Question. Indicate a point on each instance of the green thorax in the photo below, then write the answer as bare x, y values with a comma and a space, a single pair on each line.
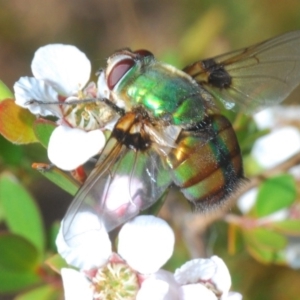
164, 91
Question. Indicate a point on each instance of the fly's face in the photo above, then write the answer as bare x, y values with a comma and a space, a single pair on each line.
121, 66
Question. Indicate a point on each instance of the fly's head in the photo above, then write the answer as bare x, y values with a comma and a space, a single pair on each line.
122, 67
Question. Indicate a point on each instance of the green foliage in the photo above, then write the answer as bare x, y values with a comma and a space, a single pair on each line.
5, 91
16, 123
266, 236
58, 177
45, 292
274, 194
17, 253
14, 281
11, 154
56, 262
43, 129
20, 211
287, 227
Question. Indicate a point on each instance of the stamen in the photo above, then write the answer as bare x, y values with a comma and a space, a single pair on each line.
115, 281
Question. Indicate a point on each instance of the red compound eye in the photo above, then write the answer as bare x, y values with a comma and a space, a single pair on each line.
143, 52
118, 71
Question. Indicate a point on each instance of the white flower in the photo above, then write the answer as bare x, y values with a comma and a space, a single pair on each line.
273, 117
144, 245
276, 147
207, 278
292, 253
71, 147
281, 143
61, 73
81, 286
160, 286
189, 291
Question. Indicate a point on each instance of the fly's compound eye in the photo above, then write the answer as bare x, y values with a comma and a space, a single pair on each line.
143, 52
118, 71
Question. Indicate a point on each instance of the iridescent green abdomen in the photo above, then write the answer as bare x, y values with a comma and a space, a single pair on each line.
207, 163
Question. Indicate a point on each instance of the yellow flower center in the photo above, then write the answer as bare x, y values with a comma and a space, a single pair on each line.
115, 281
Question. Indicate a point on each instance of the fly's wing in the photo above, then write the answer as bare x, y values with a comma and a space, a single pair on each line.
252, 78
123, 183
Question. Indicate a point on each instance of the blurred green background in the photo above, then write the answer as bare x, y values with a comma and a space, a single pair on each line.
178, 32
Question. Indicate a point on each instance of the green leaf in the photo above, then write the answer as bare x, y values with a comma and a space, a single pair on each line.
17, 253
58, 177
5, 91
265, 239
43, 130
22, 215
288, 227
265, 245
274, 194
45, 292
16, 123
266, 255
10, 153
56, 263
53, 232
12, 281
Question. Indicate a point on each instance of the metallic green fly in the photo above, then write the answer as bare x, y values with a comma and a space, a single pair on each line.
169, 130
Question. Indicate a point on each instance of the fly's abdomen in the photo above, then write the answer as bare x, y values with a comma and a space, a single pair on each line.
207, 163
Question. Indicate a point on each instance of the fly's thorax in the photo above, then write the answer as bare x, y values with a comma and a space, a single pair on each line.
166, 92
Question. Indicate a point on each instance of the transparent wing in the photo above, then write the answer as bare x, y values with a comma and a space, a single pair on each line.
252, 78
123, 183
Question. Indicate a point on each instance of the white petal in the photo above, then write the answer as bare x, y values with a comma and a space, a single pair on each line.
292, 253
89, 247
233, 296
160, 285
29, 88
154, 289
212, 269
221, 278
295, 171
196, 292
276, 147
265, 119
64, 67
146, 243
76, 286
71, 147
276, 116
195, 270
247, 200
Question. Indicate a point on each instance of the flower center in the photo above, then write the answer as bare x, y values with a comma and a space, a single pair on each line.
88, 116
115, 281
